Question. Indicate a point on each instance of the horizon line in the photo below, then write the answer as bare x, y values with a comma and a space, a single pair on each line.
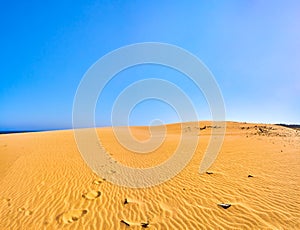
10, 131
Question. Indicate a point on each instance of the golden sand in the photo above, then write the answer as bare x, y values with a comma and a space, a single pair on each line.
45, 184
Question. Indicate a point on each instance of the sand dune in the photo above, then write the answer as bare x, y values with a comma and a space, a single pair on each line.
45, 184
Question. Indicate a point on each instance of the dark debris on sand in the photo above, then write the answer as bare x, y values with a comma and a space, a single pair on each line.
225, 206
124, 222
145, 225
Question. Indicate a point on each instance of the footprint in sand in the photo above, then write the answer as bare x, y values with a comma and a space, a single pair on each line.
71, 216
92, 195
98, 181
21, 209
7, 200
26, 212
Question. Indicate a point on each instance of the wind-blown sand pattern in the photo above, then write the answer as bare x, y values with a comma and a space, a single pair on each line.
45, 184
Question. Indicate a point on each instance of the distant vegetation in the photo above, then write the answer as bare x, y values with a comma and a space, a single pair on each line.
290, 126
20, 131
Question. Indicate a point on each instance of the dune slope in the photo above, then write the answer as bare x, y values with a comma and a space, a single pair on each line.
45, 183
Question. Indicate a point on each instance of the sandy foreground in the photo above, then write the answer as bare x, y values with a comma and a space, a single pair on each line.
45, 183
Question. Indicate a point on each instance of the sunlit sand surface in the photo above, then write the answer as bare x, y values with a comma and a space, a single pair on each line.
45, 184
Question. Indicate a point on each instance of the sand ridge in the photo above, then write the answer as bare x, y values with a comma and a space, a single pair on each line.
45, 184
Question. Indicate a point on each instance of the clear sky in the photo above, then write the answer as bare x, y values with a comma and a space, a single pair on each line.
251, 47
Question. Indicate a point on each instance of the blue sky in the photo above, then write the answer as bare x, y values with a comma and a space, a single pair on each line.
251, 47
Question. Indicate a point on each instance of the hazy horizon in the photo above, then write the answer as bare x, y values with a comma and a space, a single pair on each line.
8, 131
